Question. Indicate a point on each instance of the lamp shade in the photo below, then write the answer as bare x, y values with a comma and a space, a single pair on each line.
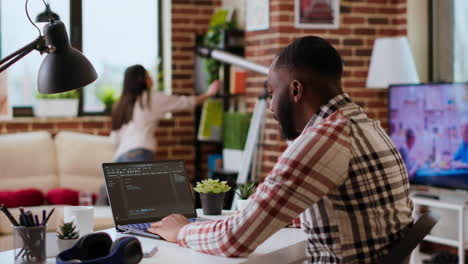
391, 63
65, 68
44, 16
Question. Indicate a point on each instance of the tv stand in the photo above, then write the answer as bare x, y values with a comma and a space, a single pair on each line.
460, 207
426, 195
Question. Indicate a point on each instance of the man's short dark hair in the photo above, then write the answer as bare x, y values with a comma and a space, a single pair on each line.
311, 53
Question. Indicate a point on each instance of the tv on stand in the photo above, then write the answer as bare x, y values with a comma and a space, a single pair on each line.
429, 126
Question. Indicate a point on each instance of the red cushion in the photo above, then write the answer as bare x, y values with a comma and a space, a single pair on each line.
20, 198
62, 196
65, 196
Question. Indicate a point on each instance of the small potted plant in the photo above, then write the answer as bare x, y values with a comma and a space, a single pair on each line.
244, 191
67, 235
57, 105
212, 195
108, 97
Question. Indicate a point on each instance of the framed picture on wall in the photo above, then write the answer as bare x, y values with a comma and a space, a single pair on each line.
257, 15
319, 14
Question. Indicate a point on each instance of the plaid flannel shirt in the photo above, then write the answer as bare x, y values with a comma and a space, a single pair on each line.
342, 175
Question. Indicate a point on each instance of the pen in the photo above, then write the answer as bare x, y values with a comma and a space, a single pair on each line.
43, 215
8, 215
30, 218
48, 216
37, 220
21, 219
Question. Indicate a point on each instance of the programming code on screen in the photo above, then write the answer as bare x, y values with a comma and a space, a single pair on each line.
140, 191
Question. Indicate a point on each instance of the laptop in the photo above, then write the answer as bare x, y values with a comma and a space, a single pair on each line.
141, 193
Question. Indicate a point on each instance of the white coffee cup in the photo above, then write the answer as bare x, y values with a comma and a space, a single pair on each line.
81, 216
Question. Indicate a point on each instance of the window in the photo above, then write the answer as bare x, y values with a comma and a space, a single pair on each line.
113, 34
461, 41
124, 35
449, 41
15, 32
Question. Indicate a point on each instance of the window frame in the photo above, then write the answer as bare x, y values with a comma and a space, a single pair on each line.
76, 39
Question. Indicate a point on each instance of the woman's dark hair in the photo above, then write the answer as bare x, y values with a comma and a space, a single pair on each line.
134, 85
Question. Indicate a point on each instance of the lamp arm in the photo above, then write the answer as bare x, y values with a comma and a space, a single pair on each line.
226, 57
37, 44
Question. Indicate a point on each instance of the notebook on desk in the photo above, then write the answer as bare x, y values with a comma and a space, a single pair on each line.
141, 193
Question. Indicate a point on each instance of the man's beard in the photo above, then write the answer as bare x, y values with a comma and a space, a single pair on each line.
284, 116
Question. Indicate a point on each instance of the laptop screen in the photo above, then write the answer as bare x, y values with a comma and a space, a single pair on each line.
148, 191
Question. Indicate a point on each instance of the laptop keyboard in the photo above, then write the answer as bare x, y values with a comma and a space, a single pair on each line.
145, 226
142, 226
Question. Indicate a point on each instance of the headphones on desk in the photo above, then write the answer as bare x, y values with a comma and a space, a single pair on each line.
97, 248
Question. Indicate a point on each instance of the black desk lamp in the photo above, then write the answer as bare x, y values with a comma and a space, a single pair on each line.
64, 68
46, 14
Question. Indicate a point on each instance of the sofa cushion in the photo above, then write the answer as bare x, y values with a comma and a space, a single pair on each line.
28, 160
65, 196
62, 196
21, 198
79, 159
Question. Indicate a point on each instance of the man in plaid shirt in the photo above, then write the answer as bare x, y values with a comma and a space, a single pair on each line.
342, 174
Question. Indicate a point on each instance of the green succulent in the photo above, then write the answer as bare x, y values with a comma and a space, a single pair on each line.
246, 190
67, 231
212, 186
73, 94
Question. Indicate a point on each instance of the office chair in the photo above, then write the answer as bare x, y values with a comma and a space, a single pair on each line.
401, 251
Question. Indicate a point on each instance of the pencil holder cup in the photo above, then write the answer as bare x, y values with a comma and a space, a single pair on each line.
29, 244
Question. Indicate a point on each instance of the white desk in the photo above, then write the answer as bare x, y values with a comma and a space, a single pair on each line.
286, 246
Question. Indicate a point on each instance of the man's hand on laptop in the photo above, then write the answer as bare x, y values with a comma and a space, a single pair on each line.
169, 227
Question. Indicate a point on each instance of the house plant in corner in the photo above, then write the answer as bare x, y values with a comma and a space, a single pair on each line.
212, 195
57, 105
67, 235
108, 96
244, 191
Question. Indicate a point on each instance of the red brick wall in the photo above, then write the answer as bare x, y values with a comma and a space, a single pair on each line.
91, 125
361, 22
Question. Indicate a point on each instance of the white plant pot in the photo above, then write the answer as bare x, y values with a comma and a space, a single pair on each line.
56, 107
64, 244
241, 204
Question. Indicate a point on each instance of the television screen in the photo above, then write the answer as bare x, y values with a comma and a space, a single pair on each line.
429, 125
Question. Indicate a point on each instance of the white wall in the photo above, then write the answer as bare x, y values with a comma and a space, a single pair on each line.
417, 18
239, 7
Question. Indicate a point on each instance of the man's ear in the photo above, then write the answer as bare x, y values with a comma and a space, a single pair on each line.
295, 91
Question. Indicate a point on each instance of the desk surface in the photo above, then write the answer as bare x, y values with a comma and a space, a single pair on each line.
286, 246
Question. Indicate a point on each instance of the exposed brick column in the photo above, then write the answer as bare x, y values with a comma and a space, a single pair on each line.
175, 137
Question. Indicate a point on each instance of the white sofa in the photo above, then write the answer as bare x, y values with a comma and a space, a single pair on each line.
69, 160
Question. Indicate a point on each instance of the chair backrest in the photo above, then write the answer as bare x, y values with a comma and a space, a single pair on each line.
401, 251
